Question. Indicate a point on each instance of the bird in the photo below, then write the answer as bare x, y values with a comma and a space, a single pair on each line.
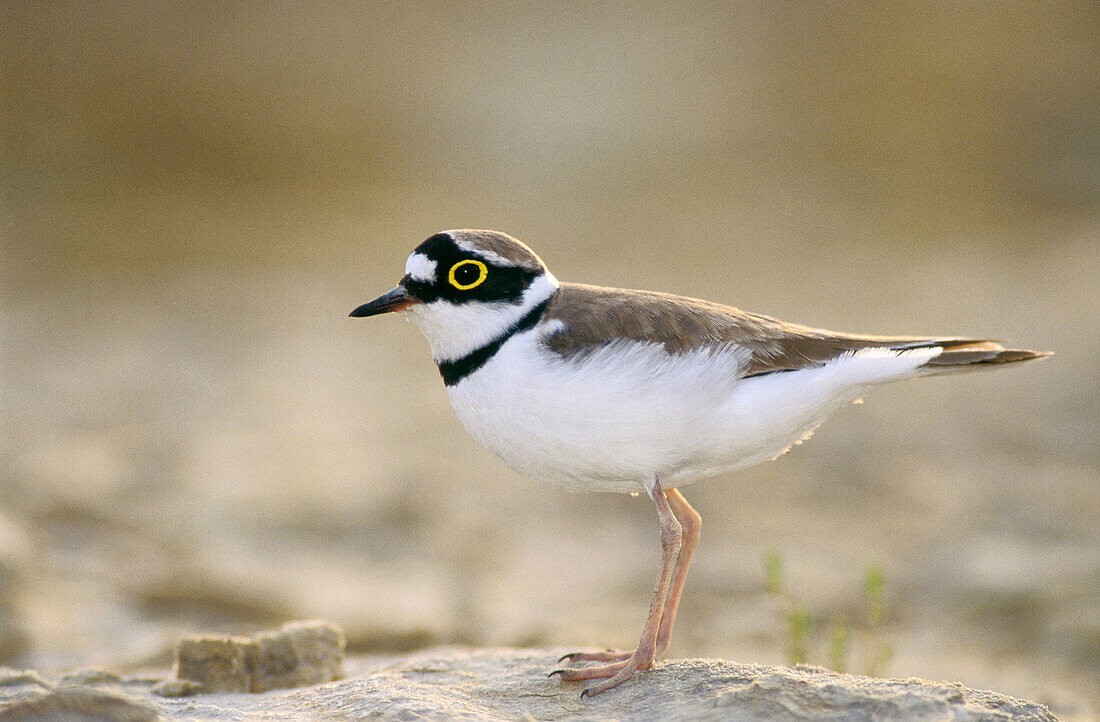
610, 390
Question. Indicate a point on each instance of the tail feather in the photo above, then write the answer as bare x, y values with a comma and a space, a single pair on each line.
962, 354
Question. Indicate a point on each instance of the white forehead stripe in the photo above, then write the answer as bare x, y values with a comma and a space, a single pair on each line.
494, 258
420, 268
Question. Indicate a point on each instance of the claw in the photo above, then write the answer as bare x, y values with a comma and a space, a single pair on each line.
556, 671
585, 692
567, 656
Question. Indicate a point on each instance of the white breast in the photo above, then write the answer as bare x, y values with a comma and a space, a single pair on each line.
631, 411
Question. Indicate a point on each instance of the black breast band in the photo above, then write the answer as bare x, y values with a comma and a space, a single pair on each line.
454, 371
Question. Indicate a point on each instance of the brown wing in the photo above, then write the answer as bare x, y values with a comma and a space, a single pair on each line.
593, 317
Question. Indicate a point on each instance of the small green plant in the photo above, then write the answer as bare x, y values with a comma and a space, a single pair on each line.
840, 635
797, 618
879, 651
800, 627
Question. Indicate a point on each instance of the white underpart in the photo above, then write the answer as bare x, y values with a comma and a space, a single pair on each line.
420, 268
617, 418
455, 329
494, 258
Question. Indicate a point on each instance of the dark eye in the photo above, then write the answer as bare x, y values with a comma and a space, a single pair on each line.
467, 274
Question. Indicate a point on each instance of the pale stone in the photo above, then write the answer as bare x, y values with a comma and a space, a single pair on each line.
510, 684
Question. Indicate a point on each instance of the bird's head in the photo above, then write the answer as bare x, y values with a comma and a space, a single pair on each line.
464, 288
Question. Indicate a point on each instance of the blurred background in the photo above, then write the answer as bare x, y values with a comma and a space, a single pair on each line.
195, 437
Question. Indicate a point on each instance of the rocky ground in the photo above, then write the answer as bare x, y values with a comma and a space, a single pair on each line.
511, 684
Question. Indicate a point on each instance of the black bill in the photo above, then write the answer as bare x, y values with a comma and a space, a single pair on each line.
395, 300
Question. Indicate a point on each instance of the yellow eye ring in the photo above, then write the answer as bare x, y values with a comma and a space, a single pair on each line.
483, 273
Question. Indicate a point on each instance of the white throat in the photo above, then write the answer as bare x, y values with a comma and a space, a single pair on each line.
454, 330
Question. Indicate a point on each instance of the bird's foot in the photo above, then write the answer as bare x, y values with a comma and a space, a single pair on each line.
608, 655
623, 667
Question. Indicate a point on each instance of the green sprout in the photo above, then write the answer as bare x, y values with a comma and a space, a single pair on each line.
840, 635
801, 629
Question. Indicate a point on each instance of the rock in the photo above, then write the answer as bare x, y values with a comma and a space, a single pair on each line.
298, 654
77, 704
21, 678
176, 688
218, 664
90, 675
509, 684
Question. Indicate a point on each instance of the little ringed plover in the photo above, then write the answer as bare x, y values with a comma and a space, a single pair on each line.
602, 389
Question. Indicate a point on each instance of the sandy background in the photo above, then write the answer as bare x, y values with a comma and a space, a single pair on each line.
193, 436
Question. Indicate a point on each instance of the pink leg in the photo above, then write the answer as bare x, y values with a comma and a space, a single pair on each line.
643, 657
691, 523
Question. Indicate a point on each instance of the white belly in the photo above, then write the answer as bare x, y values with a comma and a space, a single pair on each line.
631, 412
